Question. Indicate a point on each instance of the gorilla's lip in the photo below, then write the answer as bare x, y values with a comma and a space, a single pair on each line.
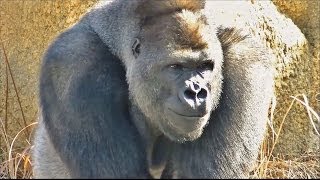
189, 116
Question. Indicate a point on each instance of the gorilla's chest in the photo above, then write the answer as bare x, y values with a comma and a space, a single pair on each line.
158, 156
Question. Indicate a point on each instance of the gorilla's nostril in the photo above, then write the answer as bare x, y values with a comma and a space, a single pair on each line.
196, 86
202, 94
190, 94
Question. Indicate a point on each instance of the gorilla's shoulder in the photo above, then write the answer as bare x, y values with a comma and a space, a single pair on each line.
75, 59
78, 43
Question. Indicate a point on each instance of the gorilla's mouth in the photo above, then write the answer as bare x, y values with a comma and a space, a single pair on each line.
183, 127
188, 116
186, 123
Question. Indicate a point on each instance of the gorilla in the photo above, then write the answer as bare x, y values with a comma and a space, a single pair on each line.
152, 89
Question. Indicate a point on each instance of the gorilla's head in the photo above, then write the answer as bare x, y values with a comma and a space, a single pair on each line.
175, 74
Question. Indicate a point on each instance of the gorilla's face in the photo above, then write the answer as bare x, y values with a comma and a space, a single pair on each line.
191, 85
176, 87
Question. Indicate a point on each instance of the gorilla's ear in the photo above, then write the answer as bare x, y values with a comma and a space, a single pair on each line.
136, 48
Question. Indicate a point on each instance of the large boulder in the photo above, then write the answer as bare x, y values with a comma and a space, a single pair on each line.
298, 68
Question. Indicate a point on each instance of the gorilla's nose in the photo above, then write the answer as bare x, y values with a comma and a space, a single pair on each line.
194, 96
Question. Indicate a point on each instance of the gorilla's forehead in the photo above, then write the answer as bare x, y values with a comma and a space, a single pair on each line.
181, 30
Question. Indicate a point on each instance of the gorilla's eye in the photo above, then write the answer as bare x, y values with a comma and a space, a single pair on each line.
175, 66
208, 65
136, 48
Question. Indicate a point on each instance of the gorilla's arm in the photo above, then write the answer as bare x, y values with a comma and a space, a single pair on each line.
84, 102
230, 142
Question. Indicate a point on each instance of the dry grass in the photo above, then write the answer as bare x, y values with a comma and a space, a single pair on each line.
284, 167
305, 166
16, 162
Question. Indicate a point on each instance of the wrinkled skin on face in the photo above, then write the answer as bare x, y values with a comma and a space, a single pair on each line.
176, 86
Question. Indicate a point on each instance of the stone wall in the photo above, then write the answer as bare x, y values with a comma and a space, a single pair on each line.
299, 135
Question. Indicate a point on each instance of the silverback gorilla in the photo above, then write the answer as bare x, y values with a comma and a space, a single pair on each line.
152, 89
